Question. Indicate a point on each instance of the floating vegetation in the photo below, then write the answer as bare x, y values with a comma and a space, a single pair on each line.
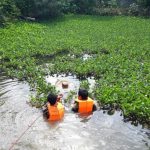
116, 50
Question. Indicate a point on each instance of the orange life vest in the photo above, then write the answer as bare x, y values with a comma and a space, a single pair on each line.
56, 112
85, 106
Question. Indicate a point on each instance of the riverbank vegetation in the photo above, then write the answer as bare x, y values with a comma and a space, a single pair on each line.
11, 10
118, 50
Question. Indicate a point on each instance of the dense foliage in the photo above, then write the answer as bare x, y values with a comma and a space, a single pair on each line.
39, 8
144, 3
27, 7
119, 50
84, 6
42, 9
109, 7
8, 11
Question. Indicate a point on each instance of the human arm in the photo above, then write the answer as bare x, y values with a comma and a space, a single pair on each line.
75, 107
59, 97
94, 107
45, 111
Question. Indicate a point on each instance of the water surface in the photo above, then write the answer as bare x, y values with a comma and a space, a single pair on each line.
98, 131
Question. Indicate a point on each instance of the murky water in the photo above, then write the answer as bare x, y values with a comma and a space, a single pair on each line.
98, 131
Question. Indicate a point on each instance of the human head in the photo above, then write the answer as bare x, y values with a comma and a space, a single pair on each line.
83, 94
52, 99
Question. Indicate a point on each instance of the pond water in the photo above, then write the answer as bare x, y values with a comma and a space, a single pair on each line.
86, 56
98, 131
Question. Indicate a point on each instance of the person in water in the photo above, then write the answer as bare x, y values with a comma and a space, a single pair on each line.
84, 104
54, 110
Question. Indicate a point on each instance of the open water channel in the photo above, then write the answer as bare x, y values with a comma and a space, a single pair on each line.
96, 132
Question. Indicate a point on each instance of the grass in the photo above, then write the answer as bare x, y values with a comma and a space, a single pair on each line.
120, 61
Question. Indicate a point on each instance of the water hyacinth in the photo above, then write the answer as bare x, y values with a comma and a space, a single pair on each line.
118, 49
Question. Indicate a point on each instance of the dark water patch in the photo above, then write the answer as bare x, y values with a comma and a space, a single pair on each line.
104, 51
48, 57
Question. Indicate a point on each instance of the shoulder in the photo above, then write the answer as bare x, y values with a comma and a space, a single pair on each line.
90, 99
60, 105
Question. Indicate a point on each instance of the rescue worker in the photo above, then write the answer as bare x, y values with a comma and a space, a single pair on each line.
84, 104
54, 110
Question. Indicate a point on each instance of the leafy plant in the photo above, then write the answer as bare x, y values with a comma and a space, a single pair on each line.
8, 11
118, 49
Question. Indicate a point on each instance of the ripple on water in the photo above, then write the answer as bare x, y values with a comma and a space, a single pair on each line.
2, 102
26, 116
98, 131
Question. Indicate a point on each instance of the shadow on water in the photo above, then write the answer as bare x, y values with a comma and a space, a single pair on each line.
91, 132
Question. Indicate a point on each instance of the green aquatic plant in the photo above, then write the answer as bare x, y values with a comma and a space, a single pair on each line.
118, 46
84, 84
70, 97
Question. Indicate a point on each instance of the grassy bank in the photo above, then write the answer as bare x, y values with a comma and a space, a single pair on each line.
119, 48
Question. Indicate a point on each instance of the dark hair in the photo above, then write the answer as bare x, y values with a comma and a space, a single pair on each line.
83, 93
52, 99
